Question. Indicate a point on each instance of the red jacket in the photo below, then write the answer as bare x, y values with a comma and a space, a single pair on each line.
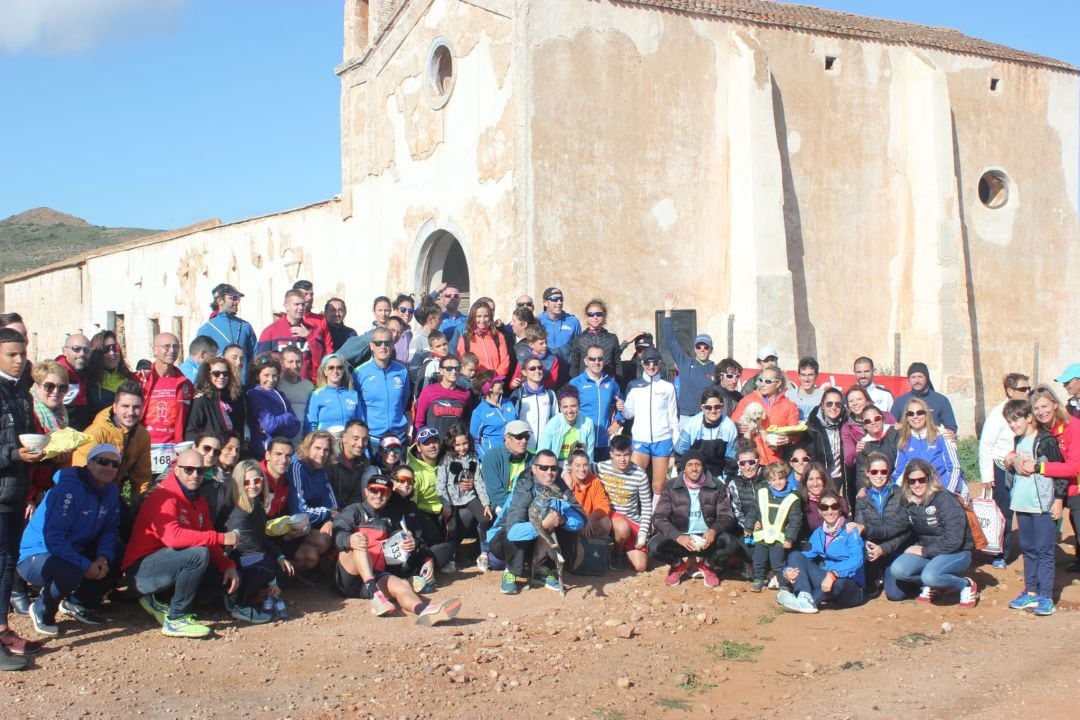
278, 335
166, 404
318, 319
279, 492
780, 411
1068, 437
167, 519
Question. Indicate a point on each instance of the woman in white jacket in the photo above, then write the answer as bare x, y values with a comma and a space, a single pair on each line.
651, 401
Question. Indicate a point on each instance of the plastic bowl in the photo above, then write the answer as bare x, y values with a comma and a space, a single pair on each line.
33, 441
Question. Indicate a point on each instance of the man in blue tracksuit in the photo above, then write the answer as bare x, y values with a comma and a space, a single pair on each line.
600, 397
383, 386
225, 327
695, 372
561, 327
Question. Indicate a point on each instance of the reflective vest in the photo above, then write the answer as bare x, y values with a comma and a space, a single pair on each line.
772, 531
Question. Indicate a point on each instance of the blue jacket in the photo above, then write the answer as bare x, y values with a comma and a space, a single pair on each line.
384, 397
694, 375
551, 438
560, 331
488, 425
228, 330
844, 555
190, 368
597, 398
329, 406
76, 520
268, 414
941, 454
716, 443
515, 518
310, 492
496, 474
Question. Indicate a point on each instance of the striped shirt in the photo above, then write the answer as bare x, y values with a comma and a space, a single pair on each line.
630, 493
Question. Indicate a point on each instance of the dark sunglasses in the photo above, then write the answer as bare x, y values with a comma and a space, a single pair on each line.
650, 362
594, 313
219, 373
712, 408
451, 368
1025, 390
334, 367
872, 420
596, 358
50, 388
703, 346
525, 304
382, 343
250, 482
921, 480
521, 436
111, 348
546, 468
829, 506
115, 464
916, 413
833, 404
451, 296
535, 368
406, 310
877, 472
800, 459
555, 298
190, 469
210, 449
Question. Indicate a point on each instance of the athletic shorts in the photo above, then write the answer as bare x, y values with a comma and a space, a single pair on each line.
631, 542
352, 586
661, 449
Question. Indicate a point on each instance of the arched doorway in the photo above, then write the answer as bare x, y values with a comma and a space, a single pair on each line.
442, 260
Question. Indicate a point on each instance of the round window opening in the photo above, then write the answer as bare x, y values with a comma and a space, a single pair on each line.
440, 73
994, 189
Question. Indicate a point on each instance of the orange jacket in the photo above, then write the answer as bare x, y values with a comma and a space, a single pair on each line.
592, 496
490, 348
780, 411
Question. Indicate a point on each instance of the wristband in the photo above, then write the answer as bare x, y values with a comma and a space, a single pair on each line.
1042, 468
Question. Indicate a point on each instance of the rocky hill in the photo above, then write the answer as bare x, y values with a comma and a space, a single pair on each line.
42, 236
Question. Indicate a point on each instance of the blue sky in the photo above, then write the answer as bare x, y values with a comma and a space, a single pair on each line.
197, 109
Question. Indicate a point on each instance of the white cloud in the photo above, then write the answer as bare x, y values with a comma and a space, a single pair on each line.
56, 27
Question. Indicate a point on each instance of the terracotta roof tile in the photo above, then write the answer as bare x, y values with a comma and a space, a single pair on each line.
831, 22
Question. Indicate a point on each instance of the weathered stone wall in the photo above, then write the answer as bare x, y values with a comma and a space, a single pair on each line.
262, 257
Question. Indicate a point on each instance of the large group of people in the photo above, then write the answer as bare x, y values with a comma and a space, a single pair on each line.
377, 462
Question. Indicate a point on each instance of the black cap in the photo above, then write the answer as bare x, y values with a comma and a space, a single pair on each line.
551, 291
223, 289
651, 354
645, 340
380, 482
918, 367
692, 454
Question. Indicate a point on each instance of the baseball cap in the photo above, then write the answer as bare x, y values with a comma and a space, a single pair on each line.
380, 483
103, 449
426, 434
767, 351
517, 427
390, 441
1071, 372
223, 289
645, 340
651, 354
551, 291
703, 338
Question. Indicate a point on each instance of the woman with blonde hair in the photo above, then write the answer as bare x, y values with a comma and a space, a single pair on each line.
921, 439
258, 560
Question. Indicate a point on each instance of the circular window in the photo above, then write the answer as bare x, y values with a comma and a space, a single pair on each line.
440, 72
994, 189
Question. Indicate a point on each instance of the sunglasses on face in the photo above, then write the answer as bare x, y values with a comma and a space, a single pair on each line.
521, 436
451, 296
535, 368
210, 449
525, 304
594, 313
650, 363
219, 373
405, 480
833, 404
595, 358
253, 482
451, 368
747, 463
546, 468
335, 368
190, 469
555, 298
920, 480
871, 420
111, 348
800, 459
769, 382
405, 310
51, 388
1025, 390
877, 472
702, 346
731, 376
916, 413
382, 343
115, 464
712, 408
829, 506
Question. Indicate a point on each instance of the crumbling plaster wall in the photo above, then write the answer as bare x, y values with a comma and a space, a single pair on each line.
417, 167
262, 257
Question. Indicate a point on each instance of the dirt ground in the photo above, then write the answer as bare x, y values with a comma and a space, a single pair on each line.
615, 647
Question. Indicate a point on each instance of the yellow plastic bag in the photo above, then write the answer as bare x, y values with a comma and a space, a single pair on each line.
65, 440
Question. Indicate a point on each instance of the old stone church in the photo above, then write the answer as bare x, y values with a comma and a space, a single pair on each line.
825, 183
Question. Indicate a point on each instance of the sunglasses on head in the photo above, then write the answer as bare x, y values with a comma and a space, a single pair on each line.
916, 413
828, 506
103, 462
51, 388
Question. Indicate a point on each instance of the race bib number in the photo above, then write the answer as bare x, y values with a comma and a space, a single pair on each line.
161, 457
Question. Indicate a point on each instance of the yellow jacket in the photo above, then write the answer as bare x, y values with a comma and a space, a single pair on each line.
134, 448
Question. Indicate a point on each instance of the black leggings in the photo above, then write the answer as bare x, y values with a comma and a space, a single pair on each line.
464, 518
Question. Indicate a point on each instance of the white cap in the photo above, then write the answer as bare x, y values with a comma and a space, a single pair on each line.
767, 351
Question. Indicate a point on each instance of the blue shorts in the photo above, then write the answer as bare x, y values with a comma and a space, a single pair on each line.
661, 449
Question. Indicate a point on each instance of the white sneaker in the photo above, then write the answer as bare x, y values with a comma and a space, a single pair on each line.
774, 583
926, 595
806, 603
482, 562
